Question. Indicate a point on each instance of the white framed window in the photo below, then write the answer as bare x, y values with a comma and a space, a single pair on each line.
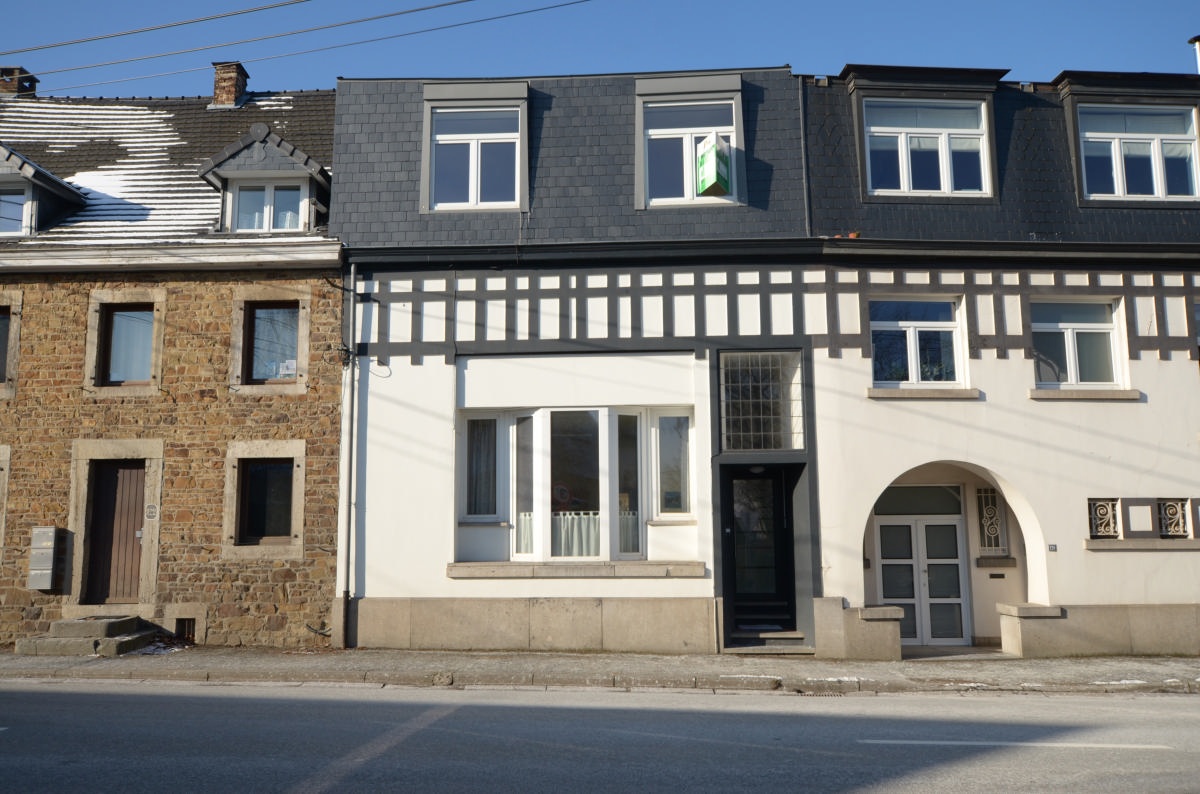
1143, 152
269, 207
475, 158
673, 134
15, 212
575, 483
915, 343
927, 147
1074, 344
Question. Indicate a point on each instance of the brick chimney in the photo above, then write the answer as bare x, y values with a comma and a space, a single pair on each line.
229, 83
15, 81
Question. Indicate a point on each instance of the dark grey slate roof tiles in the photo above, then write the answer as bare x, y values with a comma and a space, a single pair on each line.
1035, 181
581, 170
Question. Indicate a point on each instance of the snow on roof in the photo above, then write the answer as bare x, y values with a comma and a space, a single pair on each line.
137, 161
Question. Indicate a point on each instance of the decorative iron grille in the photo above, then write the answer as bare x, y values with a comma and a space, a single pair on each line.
993, 529
1172, 518
1103, 517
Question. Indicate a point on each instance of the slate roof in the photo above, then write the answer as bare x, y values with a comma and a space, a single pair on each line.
138, 161
1036, 197
581, 169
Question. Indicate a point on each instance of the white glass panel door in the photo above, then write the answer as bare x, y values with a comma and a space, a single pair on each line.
922, 570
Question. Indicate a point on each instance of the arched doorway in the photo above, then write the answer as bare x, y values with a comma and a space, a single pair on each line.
944, 546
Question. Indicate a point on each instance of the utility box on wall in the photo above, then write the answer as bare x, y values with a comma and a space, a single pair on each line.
43, 558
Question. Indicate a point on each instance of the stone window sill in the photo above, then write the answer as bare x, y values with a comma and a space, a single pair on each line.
608, 569
1142, 544
995, 562
1085, 394
923, 394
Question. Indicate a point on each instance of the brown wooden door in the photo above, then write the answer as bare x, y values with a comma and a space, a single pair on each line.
116, 491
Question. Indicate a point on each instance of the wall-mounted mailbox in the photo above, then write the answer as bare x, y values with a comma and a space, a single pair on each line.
43, 556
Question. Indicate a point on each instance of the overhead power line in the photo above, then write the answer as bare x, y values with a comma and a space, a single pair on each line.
259, 38
322, 49
150, 29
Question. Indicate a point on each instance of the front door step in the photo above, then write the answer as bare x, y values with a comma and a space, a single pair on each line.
97, 636
767, 642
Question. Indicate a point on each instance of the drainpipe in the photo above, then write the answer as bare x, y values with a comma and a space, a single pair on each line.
349, 432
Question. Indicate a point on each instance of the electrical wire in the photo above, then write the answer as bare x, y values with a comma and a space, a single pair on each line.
151, 29
319, 49
259, 38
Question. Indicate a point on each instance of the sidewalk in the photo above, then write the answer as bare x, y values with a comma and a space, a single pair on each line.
974, 672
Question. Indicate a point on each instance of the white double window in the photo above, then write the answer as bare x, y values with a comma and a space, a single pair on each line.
576, 483
926, 147
267, 207
1073, 344
1144, 152
475, 157
673, 133
914, 342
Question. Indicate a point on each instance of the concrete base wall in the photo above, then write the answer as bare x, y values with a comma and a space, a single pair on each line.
1034, 631
619, 625
869, 633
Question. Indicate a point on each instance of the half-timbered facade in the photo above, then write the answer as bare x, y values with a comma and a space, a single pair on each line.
919, 369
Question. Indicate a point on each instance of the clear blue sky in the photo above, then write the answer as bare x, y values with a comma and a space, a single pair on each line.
1035, 39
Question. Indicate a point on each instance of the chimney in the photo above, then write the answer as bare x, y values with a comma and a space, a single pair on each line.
1195, 42
15, 81
229, 83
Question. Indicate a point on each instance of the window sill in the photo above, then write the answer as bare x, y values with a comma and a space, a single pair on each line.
928, 198
299, 386
139, 390
1142, 544
1128, 395
606, 569
281, 549
875, 393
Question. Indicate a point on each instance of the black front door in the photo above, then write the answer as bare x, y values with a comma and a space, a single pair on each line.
757, 532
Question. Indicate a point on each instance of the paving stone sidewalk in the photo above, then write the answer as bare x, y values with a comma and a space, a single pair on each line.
990, 672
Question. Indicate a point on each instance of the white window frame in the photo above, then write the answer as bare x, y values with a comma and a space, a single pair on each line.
944, 135
1116, 140
475, 141
656, 511
649, 496
269, 185
26, 208
691, 137
1069, 329
912, 330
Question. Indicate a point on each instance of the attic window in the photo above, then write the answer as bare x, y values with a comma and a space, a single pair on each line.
14, 203
265, 207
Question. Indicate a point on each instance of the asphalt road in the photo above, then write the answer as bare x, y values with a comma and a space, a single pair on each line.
176, 737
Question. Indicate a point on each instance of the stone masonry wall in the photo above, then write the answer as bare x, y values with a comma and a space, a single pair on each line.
195, 415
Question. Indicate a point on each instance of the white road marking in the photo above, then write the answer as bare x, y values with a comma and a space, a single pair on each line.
1073, 745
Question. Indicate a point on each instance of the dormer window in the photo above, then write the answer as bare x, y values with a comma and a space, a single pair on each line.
926, 148
269, 185
269, 208
1138, 152
14, 211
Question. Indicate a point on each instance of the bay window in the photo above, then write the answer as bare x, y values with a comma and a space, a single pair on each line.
575, 483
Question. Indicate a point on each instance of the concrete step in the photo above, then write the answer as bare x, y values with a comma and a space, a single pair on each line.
770, 650
84, 646
94, 627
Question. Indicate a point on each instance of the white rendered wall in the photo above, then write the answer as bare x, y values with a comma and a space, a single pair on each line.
406, 518
1046, 457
